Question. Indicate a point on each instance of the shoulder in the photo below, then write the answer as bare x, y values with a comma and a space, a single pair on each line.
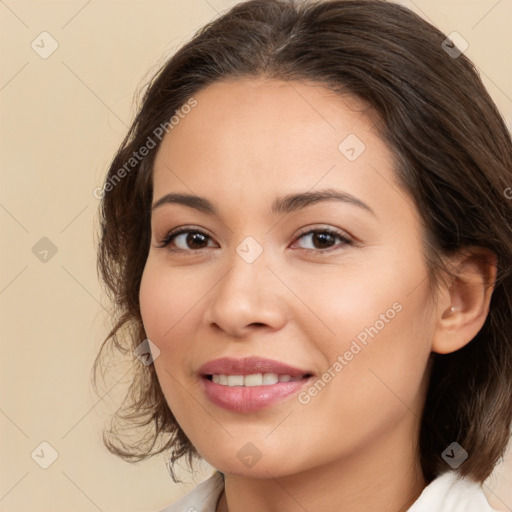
203, 498
451, 493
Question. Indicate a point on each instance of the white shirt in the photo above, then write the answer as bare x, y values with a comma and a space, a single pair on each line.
447, 493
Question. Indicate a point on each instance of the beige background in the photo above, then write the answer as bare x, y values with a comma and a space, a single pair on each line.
61, 120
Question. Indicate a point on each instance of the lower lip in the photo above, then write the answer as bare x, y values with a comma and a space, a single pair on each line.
250, 398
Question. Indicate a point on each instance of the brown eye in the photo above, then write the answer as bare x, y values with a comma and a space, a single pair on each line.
193, 240
321, 240
186, 240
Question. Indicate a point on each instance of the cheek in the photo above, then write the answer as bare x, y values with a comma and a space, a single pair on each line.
377, 325
362, 298
166, 300
372, 384
170, 304
384, 356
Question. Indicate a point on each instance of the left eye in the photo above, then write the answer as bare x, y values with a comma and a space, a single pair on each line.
323, 239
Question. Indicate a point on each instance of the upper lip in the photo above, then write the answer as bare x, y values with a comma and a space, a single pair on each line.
249, 366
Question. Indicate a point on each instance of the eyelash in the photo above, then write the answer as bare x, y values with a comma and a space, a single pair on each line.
331, 231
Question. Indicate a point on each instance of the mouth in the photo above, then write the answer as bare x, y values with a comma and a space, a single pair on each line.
254, 379
250, 384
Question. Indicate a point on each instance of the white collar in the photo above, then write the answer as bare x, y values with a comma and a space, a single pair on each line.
451, 493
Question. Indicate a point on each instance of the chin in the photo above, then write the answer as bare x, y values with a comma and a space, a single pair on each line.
248, 462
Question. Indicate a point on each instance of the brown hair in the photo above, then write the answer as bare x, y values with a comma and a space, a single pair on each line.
453, 155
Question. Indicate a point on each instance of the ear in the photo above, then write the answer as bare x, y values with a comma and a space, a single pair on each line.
464, 298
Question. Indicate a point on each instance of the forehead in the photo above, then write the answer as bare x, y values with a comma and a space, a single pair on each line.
268, 111
259, 137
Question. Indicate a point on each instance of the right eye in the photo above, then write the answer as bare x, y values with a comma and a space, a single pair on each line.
187, 240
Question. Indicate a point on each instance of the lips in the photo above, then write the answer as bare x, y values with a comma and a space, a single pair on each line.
250, 384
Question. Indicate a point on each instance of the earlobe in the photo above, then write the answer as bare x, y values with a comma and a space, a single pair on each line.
466, 299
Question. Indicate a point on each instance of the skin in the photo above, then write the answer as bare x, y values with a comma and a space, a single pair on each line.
353, 446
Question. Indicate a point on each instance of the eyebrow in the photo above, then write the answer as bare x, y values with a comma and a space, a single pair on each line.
281, 205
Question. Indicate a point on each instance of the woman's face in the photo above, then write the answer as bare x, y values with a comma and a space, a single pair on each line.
335, 288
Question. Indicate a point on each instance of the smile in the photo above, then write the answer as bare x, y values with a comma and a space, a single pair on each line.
250, 384
255, 379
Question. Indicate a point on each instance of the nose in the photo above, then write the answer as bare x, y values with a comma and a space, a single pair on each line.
249, 297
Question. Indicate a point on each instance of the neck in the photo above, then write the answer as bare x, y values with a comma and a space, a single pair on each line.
386, 477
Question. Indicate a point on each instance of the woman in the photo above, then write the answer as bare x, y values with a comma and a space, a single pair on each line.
308, 239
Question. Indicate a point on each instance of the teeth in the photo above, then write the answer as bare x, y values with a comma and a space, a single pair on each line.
270, 378
253, 380
256, 379
235, 380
